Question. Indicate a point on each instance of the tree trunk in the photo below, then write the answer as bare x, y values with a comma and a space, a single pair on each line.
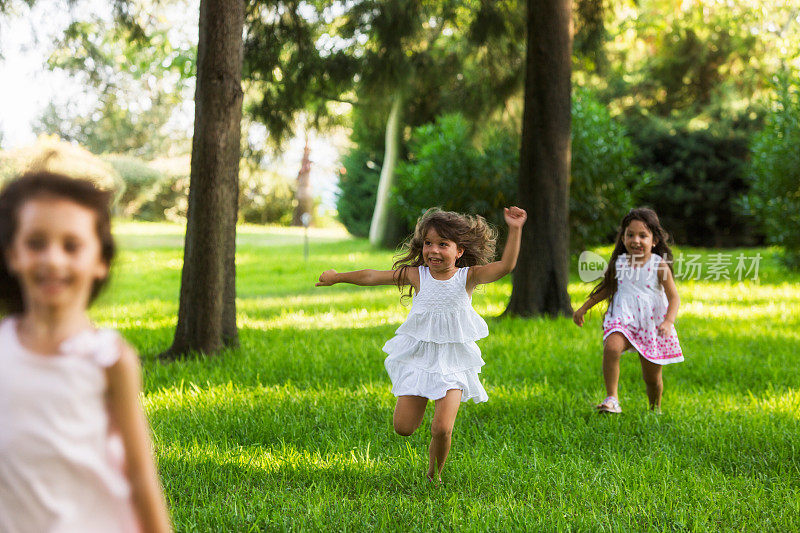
380, 217
542, 274
207, 311
305, 200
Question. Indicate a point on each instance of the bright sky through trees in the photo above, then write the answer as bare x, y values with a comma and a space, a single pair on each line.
27, 37
25, 40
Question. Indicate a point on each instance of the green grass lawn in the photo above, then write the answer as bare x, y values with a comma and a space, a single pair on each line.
293, 430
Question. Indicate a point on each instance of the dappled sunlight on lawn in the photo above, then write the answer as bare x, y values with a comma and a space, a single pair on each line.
778, 311
123, 323
234, 398
284, 457
138, 235
769, 402
739, 292
300, 320
146, 314
324, 300
353, 318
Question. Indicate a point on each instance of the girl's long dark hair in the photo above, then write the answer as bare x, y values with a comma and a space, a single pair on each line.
660, 236
35, 185
470, 232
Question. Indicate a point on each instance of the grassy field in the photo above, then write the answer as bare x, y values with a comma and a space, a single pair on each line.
293, 430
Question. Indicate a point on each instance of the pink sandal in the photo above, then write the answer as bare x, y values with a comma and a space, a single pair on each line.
609, 405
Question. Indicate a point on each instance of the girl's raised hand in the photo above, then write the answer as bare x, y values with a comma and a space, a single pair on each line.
515, 217
326, 279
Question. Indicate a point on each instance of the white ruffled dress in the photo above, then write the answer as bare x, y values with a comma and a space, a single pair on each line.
434, 350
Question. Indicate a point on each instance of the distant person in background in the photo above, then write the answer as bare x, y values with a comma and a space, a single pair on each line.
643, 305
433, 355
75, 449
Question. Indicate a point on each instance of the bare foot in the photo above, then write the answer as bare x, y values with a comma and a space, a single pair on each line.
433, 478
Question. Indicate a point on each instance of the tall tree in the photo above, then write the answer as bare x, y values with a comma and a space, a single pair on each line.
423, 58
207, 311
542, 273
403, 36
380, 217
404, 61
303, 195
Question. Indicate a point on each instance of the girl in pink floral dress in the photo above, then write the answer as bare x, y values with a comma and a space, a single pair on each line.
643, 304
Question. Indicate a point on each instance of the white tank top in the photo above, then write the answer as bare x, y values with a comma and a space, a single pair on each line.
61, 465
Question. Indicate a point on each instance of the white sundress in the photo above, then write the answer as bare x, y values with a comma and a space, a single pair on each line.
638, 307
61, 462
434, 350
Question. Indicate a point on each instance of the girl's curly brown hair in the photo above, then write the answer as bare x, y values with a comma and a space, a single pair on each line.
470, 232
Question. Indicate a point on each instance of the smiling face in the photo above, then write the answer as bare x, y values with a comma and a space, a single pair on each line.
440, 254
56, 254
638, 240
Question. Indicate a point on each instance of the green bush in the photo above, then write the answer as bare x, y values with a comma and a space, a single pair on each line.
166, 199
697, 175
446, 169
605, 182
162, 193
265, 198
138, 178
358, 185
774, 174
50, 153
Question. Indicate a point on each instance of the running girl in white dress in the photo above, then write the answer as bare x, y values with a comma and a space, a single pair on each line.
643, 304
75, 452
433, 355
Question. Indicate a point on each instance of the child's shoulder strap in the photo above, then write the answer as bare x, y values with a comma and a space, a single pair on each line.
103, 346
6, 328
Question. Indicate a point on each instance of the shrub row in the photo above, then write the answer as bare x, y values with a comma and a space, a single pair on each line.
455, 167
711, 187
159, 191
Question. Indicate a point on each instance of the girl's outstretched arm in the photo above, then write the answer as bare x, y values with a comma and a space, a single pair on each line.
673, 300
124, 384
577, 316
367, 278
480, 274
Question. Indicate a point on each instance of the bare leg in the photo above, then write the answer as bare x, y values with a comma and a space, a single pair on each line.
408, 414
614, 345
444, 417
651, 373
